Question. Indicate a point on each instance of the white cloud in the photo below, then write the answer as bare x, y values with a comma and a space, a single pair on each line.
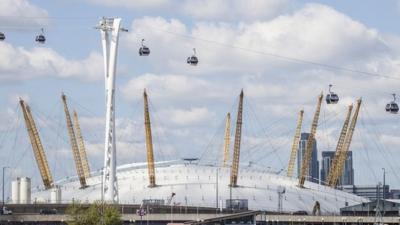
13, 98
390, 140
91, 122
161, 85
225, 10
17, 13
94, 149
8, 119
187, 117
314, 33
168, 86
19, 63
132, 4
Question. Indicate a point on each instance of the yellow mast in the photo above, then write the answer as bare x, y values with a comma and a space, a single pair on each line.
307, 155
149, 142
236, 147
339, 147
343, 154
227, 139
74, 144
81, 145
295, 145
37, 146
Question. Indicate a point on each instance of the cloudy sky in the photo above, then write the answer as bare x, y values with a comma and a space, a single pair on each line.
282, 53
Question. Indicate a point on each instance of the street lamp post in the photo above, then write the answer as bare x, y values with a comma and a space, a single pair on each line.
216, 189
383, 192
4, 168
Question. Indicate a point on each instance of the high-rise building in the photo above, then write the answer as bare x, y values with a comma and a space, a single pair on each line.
313, 169
347, 177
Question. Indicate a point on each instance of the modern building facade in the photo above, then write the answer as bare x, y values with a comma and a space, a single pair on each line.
313, 169
347, 177
394, 194
372, 192
386, 207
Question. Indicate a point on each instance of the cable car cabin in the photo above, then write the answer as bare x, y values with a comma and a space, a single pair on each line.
392, 107
192, 60
332, 98
40, 39
2, 36
144, 51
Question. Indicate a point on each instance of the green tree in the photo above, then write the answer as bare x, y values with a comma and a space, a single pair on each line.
94, 214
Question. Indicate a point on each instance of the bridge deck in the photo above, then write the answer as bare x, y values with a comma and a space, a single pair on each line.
262, 219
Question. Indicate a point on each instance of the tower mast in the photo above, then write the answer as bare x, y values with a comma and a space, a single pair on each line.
37, 146
227, 139
109, 29
149, 142
81, 145
343, 154
74, 143
339, 147
307, 155
236, 147
295, 145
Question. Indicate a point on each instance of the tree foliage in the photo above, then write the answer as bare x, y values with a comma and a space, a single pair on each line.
93, 214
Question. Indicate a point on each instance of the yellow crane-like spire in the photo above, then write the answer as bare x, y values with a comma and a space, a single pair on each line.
74, 144
149, 143
295, 145
81, 145
227, 139
339, 147
307, 155
346, 146
37, 146
236, 147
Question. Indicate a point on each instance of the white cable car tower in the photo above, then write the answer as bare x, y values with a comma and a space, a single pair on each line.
109, 28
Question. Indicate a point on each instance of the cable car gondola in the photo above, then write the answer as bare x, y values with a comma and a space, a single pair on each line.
144, 50
192, 60
41, 38
2, 36
392, 107
332, 97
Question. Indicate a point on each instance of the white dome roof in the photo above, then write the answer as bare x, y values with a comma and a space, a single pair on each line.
195, 185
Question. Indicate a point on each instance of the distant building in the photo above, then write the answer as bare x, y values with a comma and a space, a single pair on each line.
394, 194
368, 191
347, 177
313, 171
387, 208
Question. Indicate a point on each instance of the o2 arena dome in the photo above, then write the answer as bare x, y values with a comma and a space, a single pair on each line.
186, 183
197, 185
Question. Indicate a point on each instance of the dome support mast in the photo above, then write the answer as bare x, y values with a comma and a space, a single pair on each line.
305, 164
339, 147
295, 145
37, 146
236, 147
227, 139
74, 143
343, 154
149, 142
81, 145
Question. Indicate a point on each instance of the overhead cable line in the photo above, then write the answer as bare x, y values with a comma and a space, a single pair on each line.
286, 58
270, 54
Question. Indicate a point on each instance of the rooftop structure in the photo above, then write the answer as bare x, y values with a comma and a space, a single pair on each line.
196, 185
